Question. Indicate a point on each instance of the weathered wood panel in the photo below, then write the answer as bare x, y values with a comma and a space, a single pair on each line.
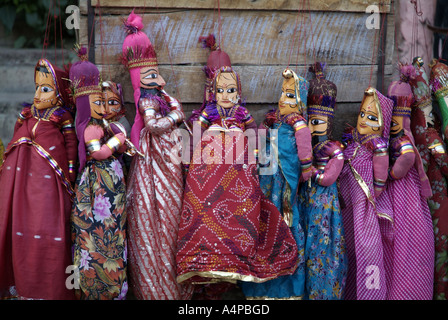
260, 84
249, 37
258, 35
288, 5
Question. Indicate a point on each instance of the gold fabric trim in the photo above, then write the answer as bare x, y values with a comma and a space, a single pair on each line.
218, 276
364, 186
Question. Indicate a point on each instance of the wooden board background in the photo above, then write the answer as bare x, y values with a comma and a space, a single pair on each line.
258, 36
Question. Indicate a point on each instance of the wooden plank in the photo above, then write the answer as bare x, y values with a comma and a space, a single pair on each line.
260, 84
278, 5
253, 38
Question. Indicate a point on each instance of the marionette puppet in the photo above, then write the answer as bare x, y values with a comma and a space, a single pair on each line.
412, 257
366, 219
229, 231
325, 260
115, 113
155, 184
99, 213
216, 60
36, 192
290, 152
429, 142
439, 85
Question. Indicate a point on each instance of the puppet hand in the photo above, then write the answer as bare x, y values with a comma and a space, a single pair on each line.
307, 173
293, 118
162, 125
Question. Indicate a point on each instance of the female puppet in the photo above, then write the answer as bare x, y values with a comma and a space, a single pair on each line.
155, 184
36, 193
429, 143
291, 154
325, 260
115, 112
412, 256
98, 215
216, 60
361, 182
229, 231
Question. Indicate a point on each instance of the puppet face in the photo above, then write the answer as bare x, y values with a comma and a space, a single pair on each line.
288, 102
226, 90
45, 95
318, 125
97, 108
112, 103
396, 125
368, 118
150, 78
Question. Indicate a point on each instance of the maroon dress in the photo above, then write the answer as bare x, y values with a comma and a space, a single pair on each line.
35, 205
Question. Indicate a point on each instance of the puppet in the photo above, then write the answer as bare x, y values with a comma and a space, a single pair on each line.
326, 264
432, 149
229, 231
361, 182
291, 153
36, 192
412, 252
99, 213
155, 184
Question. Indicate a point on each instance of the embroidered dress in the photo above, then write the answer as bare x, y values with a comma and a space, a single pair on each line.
35, 202
229, 231
366, 219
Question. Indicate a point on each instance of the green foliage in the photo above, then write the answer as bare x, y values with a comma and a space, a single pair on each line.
27, 20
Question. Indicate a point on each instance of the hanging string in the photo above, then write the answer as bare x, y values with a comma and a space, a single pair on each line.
60, 32
376, 45
176, 87
47, 30
293, 39
301, 11
105, 74
312, 32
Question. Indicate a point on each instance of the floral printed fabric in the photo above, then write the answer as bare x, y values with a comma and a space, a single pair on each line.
99, 231
325, 260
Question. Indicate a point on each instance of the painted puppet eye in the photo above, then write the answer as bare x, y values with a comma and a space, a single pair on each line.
98, 102
113, 102
291, 95
220, 90
46, 89
231, 90
372, 118
362, 114
316, 122
151, 76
